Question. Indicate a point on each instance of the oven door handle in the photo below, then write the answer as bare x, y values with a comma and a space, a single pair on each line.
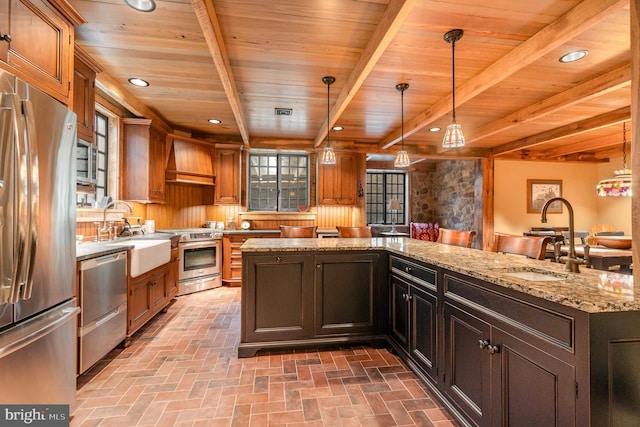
200, 244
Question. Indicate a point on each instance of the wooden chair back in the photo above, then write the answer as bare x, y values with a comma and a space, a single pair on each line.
462, 238
530, 246
424, 231
354, 231
298, 231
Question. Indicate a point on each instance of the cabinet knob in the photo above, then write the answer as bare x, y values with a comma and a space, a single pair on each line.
407, 269
5, 37
482, 344
278, 259
493, 349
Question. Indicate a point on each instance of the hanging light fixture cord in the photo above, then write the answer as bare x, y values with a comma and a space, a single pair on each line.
328, 80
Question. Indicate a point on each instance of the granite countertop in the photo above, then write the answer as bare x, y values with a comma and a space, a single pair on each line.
88, 250
591, 291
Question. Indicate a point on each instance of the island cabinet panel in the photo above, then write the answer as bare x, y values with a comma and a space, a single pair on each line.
499, 370
345, 294
292, 299
414, 313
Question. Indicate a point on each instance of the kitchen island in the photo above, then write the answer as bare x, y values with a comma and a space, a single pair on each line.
499, 338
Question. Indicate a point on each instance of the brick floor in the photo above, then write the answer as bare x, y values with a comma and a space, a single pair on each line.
182, 369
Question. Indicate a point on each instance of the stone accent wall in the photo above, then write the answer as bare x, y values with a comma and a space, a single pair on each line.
447, 194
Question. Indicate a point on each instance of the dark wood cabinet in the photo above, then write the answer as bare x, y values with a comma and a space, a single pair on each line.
144, 162
338, 184
41, 49
227, 175
304, 299
414, 313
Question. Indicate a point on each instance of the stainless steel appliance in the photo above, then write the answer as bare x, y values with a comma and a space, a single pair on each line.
200, 259
38, 309
103, 298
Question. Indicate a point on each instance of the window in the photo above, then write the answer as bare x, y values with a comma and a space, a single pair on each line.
382, 187
278, 182
102, 144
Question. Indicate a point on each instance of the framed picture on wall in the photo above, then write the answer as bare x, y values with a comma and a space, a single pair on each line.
541, 190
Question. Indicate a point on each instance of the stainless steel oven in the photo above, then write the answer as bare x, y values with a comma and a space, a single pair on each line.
200, 260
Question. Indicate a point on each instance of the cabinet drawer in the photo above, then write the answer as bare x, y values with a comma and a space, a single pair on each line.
413, 271
551, 326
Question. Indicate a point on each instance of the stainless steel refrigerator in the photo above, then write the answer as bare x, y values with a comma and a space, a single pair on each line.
38, 310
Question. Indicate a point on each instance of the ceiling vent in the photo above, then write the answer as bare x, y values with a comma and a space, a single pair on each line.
284, 111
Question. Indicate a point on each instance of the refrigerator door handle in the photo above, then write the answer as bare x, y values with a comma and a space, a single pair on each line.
36, 329
7, 214
33, 198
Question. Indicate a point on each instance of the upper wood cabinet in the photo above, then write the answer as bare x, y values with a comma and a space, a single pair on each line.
84, 94
338, 184
40, 49
143, 162
228, 175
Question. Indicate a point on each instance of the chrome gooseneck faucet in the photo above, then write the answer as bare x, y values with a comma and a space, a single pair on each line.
571, 261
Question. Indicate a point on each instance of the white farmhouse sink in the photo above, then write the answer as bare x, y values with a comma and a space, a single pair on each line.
146, 254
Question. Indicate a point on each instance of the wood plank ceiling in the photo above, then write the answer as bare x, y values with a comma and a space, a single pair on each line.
239, 60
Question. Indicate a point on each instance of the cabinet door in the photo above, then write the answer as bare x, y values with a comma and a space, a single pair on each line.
138, 302
156, 166
337, 184
399, 311
466, 380
143, 161
277, 293
346, 289
172, 278
532, 388
4, 30
227, 176
423, 327
40, 48
158, 289
84, 99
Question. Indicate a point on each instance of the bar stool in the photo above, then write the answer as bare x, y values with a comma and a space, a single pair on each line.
298, 231
462, 238
354, 231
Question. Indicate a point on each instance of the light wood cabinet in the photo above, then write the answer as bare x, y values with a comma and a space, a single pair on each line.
84, 94
338, 184
232, 256
41, 43
227, 176
147, 295
174, 266
143, 162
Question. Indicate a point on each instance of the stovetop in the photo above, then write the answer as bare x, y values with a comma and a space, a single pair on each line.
190, 234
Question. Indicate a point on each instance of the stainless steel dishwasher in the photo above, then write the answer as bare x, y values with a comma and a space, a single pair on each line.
103, 299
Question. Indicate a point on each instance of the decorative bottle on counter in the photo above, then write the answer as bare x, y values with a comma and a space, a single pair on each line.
231, 223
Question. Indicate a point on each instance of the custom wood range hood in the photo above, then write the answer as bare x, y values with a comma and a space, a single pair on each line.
190, 161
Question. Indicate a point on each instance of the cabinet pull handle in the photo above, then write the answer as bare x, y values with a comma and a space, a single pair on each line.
482, 344
5, 37
493, 349
407, 269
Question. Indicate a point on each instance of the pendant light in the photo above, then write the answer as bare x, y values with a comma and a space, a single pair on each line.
453, 137
620, 184
402, 158
328, 156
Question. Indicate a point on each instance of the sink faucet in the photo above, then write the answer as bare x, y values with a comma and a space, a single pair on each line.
571, 261
104, 214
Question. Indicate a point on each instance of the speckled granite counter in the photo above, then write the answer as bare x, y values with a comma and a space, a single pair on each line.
89, 250
591, 291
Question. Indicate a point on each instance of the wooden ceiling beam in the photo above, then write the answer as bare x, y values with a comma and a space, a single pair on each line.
389, 25
600, 85
582, 126
206, 14
583, 16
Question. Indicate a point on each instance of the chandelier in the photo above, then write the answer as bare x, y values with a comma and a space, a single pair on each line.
620, 184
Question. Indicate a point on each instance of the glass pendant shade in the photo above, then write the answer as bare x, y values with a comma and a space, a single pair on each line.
328, 156
453, 137
402, 159
620, 184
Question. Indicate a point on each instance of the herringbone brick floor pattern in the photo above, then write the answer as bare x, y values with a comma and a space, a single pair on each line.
182, 369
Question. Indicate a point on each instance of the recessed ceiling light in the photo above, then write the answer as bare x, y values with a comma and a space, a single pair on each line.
434, 129
337, 128
215, 121
138, 82
573, 56
142, 5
